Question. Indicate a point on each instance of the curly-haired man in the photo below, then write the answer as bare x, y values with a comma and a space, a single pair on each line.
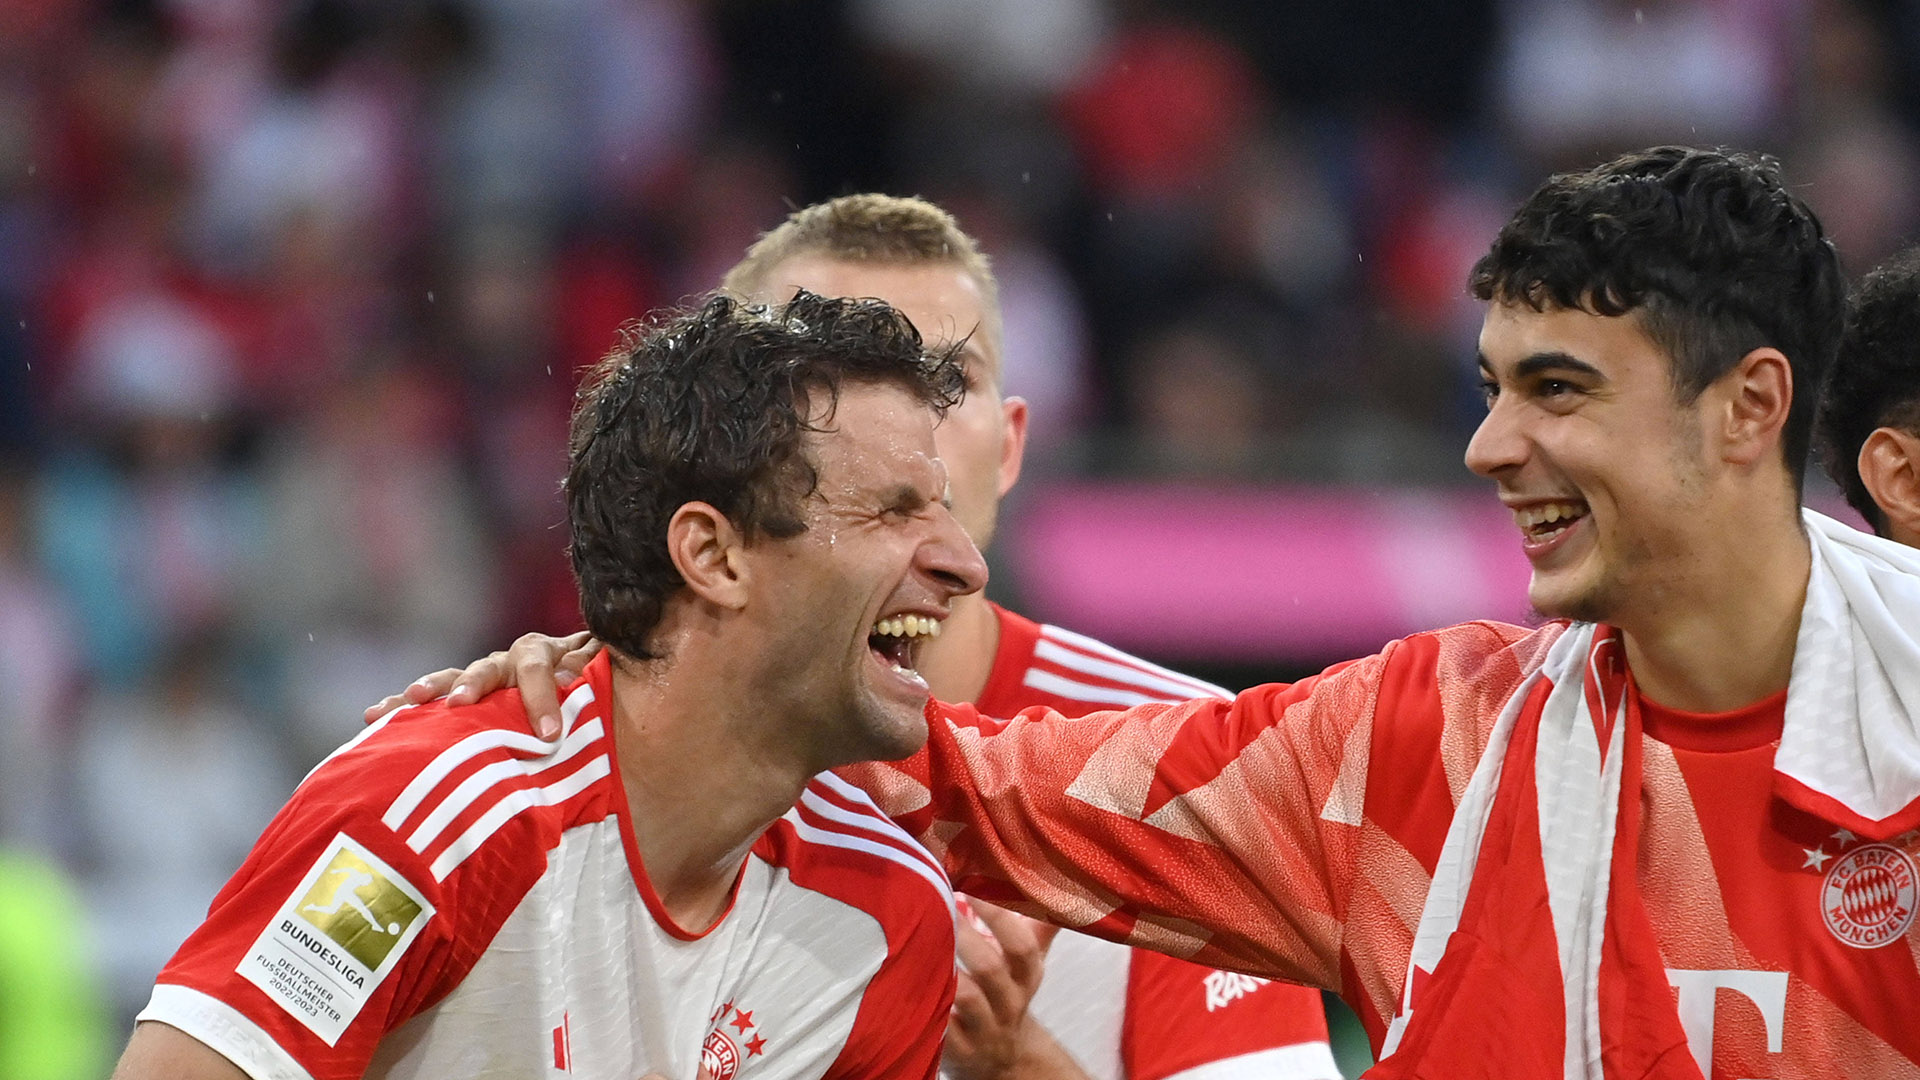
674, 884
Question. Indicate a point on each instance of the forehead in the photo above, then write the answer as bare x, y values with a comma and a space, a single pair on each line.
942, 300
877, 436
1512, 334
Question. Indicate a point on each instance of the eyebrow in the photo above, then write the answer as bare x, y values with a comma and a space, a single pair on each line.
902, 496
1538, 363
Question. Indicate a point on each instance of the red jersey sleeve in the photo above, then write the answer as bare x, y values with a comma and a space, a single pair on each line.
1145, 825
1223, 831
334, 931
1181, 1016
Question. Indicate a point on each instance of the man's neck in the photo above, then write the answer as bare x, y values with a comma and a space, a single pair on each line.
958, 663
700, 789
1724, 638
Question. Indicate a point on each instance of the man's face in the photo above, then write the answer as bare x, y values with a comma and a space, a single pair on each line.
982, 439
852, 600
1603, 470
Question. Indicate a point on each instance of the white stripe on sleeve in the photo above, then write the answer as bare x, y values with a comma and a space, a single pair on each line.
225, 1030
472, 746
473, 787
514, 802
1170, 685
830, 838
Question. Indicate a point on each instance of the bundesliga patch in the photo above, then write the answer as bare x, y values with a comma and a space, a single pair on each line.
336, 938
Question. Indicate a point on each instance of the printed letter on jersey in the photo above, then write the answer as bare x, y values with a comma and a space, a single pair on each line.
336, 938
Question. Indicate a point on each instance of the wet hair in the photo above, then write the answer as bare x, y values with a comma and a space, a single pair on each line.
885, 230
712, 404
1875, 379
1707, 247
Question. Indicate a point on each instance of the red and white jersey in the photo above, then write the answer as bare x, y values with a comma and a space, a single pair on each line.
1122, 1013
1294, 831
448, 896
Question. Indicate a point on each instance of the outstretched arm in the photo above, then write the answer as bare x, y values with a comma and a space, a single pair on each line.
1220, 831
539, 665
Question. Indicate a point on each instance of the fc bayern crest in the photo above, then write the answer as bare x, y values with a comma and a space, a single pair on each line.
719, 1058
1868, 896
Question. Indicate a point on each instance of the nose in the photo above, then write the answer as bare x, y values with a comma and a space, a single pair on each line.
951, 558
1497, 445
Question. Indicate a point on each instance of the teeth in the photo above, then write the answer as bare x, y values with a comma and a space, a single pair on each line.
1548, 514
908, 626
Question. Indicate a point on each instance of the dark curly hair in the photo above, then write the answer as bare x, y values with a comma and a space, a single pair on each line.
1708, 246
1875, 380
712, 404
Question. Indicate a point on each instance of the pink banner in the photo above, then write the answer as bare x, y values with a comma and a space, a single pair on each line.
1263, 574
1266, 574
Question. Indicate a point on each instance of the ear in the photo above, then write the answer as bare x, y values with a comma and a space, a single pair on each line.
706, 549
1759, 394
1890, 469
1013, 441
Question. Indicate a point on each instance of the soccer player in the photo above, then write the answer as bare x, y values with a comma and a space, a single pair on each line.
1669, 833
1102, 1011
672, 884
1869, 433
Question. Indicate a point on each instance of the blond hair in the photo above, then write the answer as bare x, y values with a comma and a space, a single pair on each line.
886, 230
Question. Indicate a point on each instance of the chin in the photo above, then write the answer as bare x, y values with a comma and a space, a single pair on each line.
887, 733
902, 743
1579, 602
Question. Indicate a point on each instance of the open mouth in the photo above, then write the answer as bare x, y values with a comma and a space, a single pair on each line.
897, 641
1544, 523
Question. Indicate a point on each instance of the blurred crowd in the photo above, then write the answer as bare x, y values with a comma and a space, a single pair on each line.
292, 295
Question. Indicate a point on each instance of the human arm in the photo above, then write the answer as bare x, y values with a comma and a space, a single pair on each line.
539, 665
1217, 830
1291, 832
163, 1052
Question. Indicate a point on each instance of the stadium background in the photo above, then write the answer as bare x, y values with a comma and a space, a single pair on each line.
292, 294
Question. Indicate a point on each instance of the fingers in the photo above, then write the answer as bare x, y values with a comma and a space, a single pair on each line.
972, 1014
423, 690
482, 677
382, 707
967, 1052
1006, 981
976, 950
535, 664
539, 665
1022, 945
581, 648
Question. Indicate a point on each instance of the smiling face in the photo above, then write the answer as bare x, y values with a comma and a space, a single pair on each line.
849, 601
981, 440
1604, 471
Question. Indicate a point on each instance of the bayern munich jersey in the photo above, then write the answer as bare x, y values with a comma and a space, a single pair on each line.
1300, 826
1128, 1015
450, 897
